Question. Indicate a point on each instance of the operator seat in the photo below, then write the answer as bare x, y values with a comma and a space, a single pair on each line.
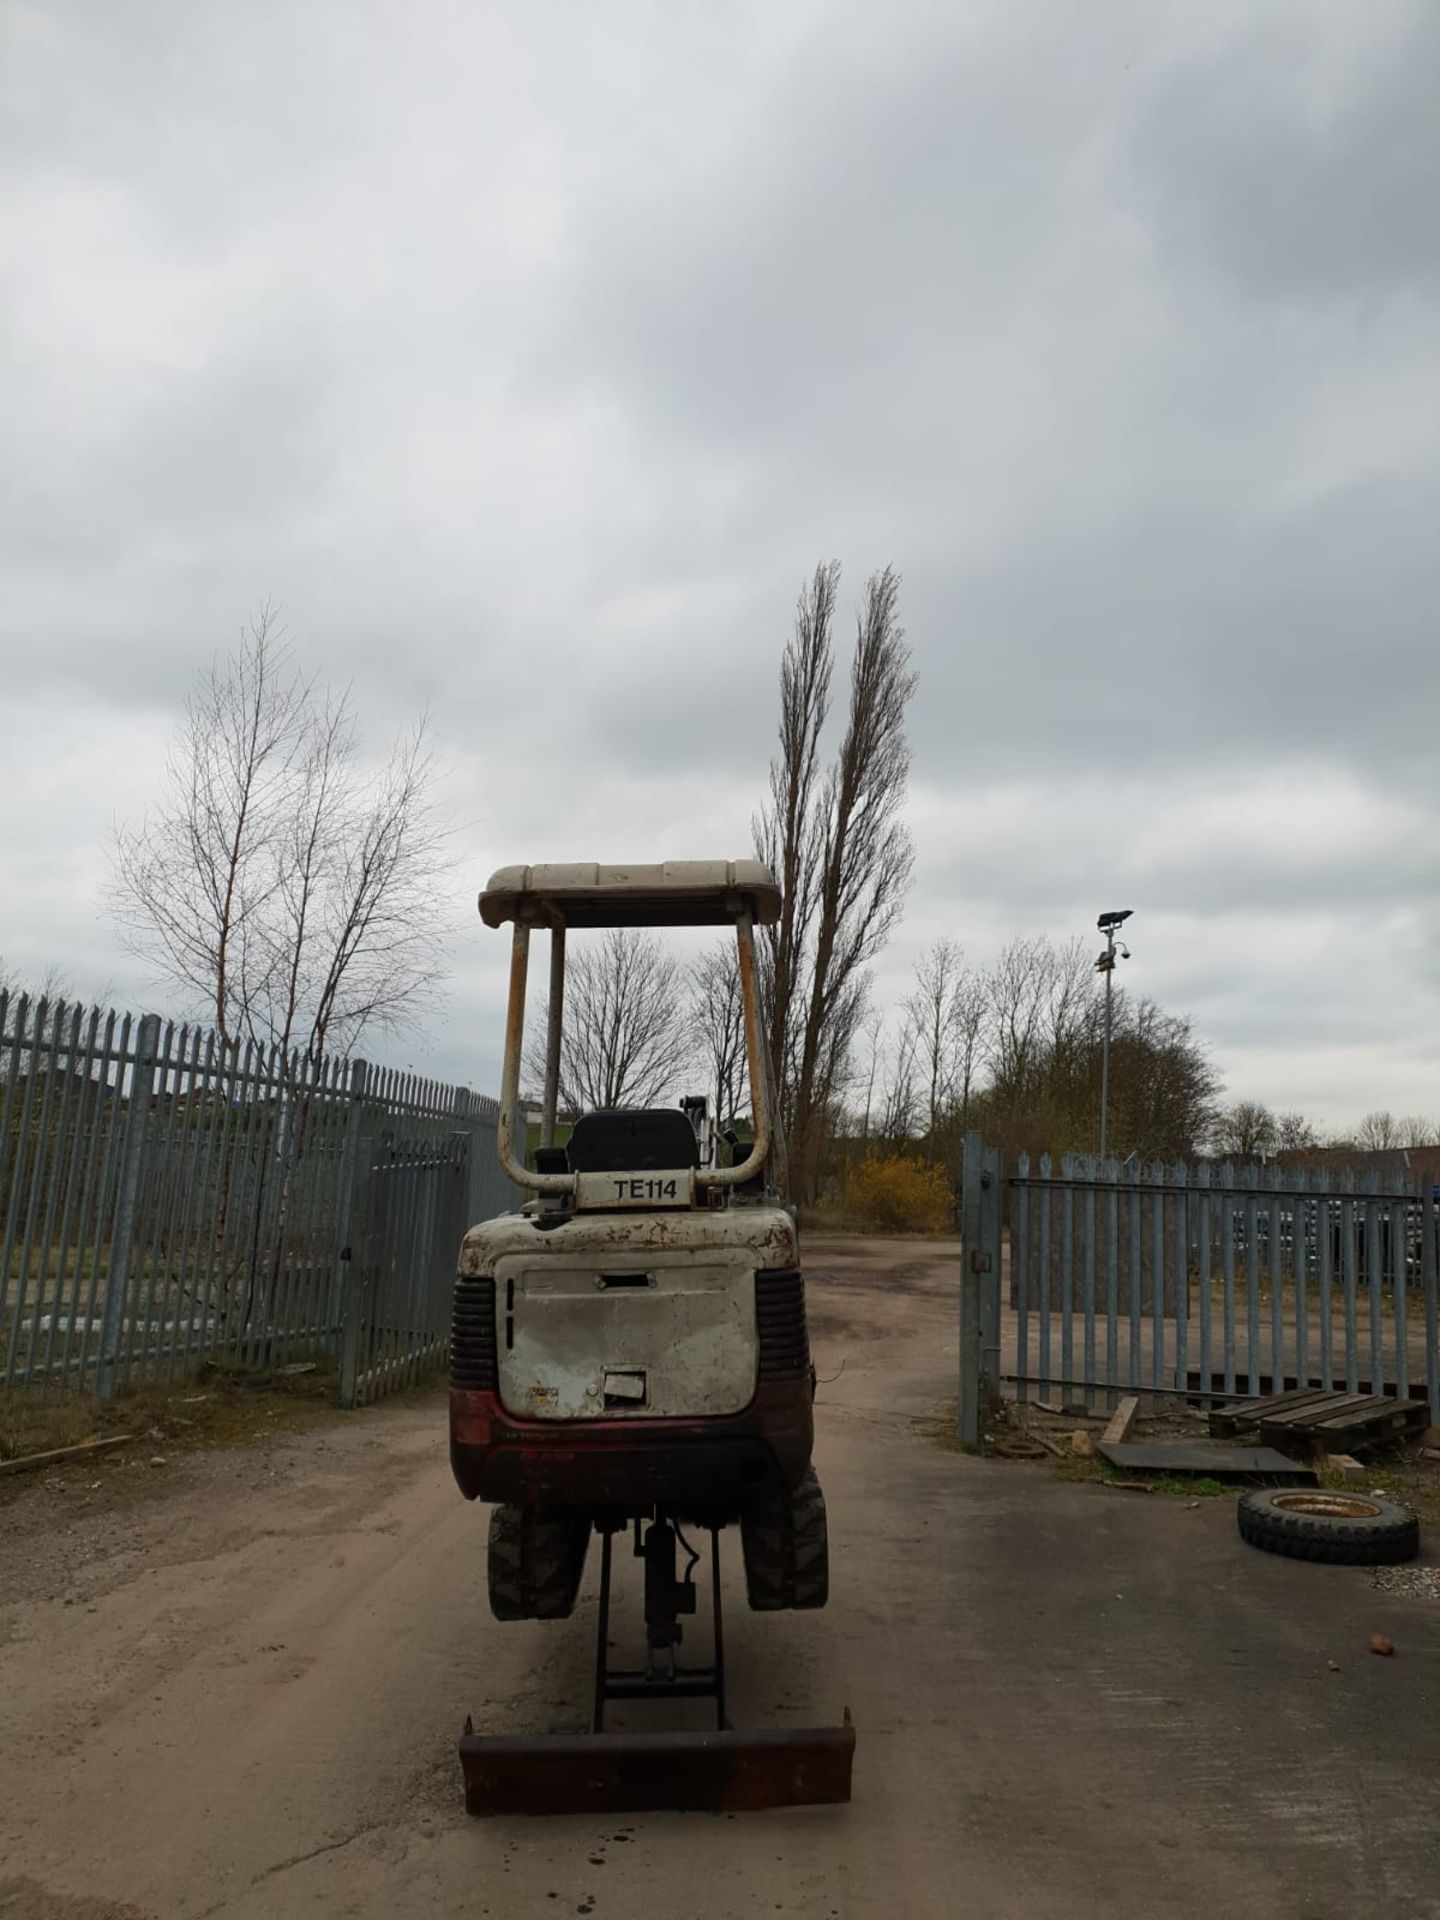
632, 1140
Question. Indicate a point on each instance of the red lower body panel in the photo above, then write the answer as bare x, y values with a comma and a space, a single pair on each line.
696, 1469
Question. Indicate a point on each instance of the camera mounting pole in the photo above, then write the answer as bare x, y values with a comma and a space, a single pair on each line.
1108, 924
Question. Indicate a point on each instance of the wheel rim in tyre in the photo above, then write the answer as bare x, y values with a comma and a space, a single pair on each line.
1327, 1506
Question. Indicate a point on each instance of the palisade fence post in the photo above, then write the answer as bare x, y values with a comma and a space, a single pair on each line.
992, 1232
972, 1358
467, 1120
1429, 1198
349, 1272
132, 1167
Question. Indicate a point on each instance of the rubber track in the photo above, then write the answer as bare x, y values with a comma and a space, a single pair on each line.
786, 1549
535, 1563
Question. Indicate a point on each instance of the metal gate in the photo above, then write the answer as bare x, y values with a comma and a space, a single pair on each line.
1205, 1282
412, 1210
170, 1199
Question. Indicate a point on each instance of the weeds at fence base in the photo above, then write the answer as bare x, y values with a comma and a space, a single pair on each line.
218, 1407
1415, 1482
1096, 1472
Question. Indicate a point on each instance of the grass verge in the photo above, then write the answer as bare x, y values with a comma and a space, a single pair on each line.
220, 1407
1415, 1483
1096, 1472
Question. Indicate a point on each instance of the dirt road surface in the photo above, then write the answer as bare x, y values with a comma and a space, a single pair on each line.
230, 1686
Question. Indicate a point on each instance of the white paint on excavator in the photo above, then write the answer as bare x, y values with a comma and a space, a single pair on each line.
663, 1302
685, 1338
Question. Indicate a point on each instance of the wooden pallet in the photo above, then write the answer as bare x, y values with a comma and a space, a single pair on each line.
1321, 1420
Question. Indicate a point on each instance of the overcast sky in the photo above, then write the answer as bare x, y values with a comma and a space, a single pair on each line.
531, 356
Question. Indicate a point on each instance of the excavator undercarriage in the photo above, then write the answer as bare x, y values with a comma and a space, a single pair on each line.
603, 1771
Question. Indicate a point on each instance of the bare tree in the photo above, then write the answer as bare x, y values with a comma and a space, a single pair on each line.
873, 1028
50, 991
969, 1012
1294, 1132
628, 1037
1163, 1086
1036, 1020
51, 985
282, 883
929, 1011
902, 1099
1378, 1131
839, 847
1018, 990
1245, 1131
1071, 1003
1383, 1131
719, 1016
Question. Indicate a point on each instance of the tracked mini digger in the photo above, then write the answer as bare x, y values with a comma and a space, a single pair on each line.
630, 1363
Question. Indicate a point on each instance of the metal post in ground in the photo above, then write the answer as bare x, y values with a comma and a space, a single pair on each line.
132, 1166
344, 1314
972, 1300
465, 1112
1105, 1048
356, 1275
992, 1199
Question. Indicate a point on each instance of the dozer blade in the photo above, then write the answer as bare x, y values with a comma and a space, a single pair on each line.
644, 1772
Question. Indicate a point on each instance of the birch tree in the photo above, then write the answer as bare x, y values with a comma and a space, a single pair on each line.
285, 885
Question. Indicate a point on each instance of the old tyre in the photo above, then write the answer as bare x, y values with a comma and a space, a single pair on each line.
1312, 1523
535, 1562
786, 1548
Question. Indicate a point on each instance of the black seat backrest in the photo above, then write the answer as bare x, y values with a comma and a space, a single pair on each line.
631, 1140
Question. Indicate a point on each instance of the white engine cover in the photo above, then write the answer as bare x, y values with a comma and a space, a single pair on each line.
675, 1337
628, 1317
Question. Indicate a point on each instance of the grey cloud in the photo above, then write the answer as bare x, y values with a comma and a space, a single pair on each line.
1206, 642
1292, 180
858, 215
530, 360
1170, 566
1064, 862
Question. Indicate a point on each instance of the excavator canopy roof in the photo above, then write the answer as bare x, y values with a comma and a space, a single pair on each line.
673, 893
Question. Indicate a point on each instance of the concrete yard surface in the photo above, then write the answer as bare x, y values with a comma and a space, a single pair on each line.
231, 1686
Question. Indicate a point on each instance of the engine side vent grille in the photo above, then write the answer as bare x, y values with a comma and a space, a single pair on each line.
473, 1362
780, 1319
